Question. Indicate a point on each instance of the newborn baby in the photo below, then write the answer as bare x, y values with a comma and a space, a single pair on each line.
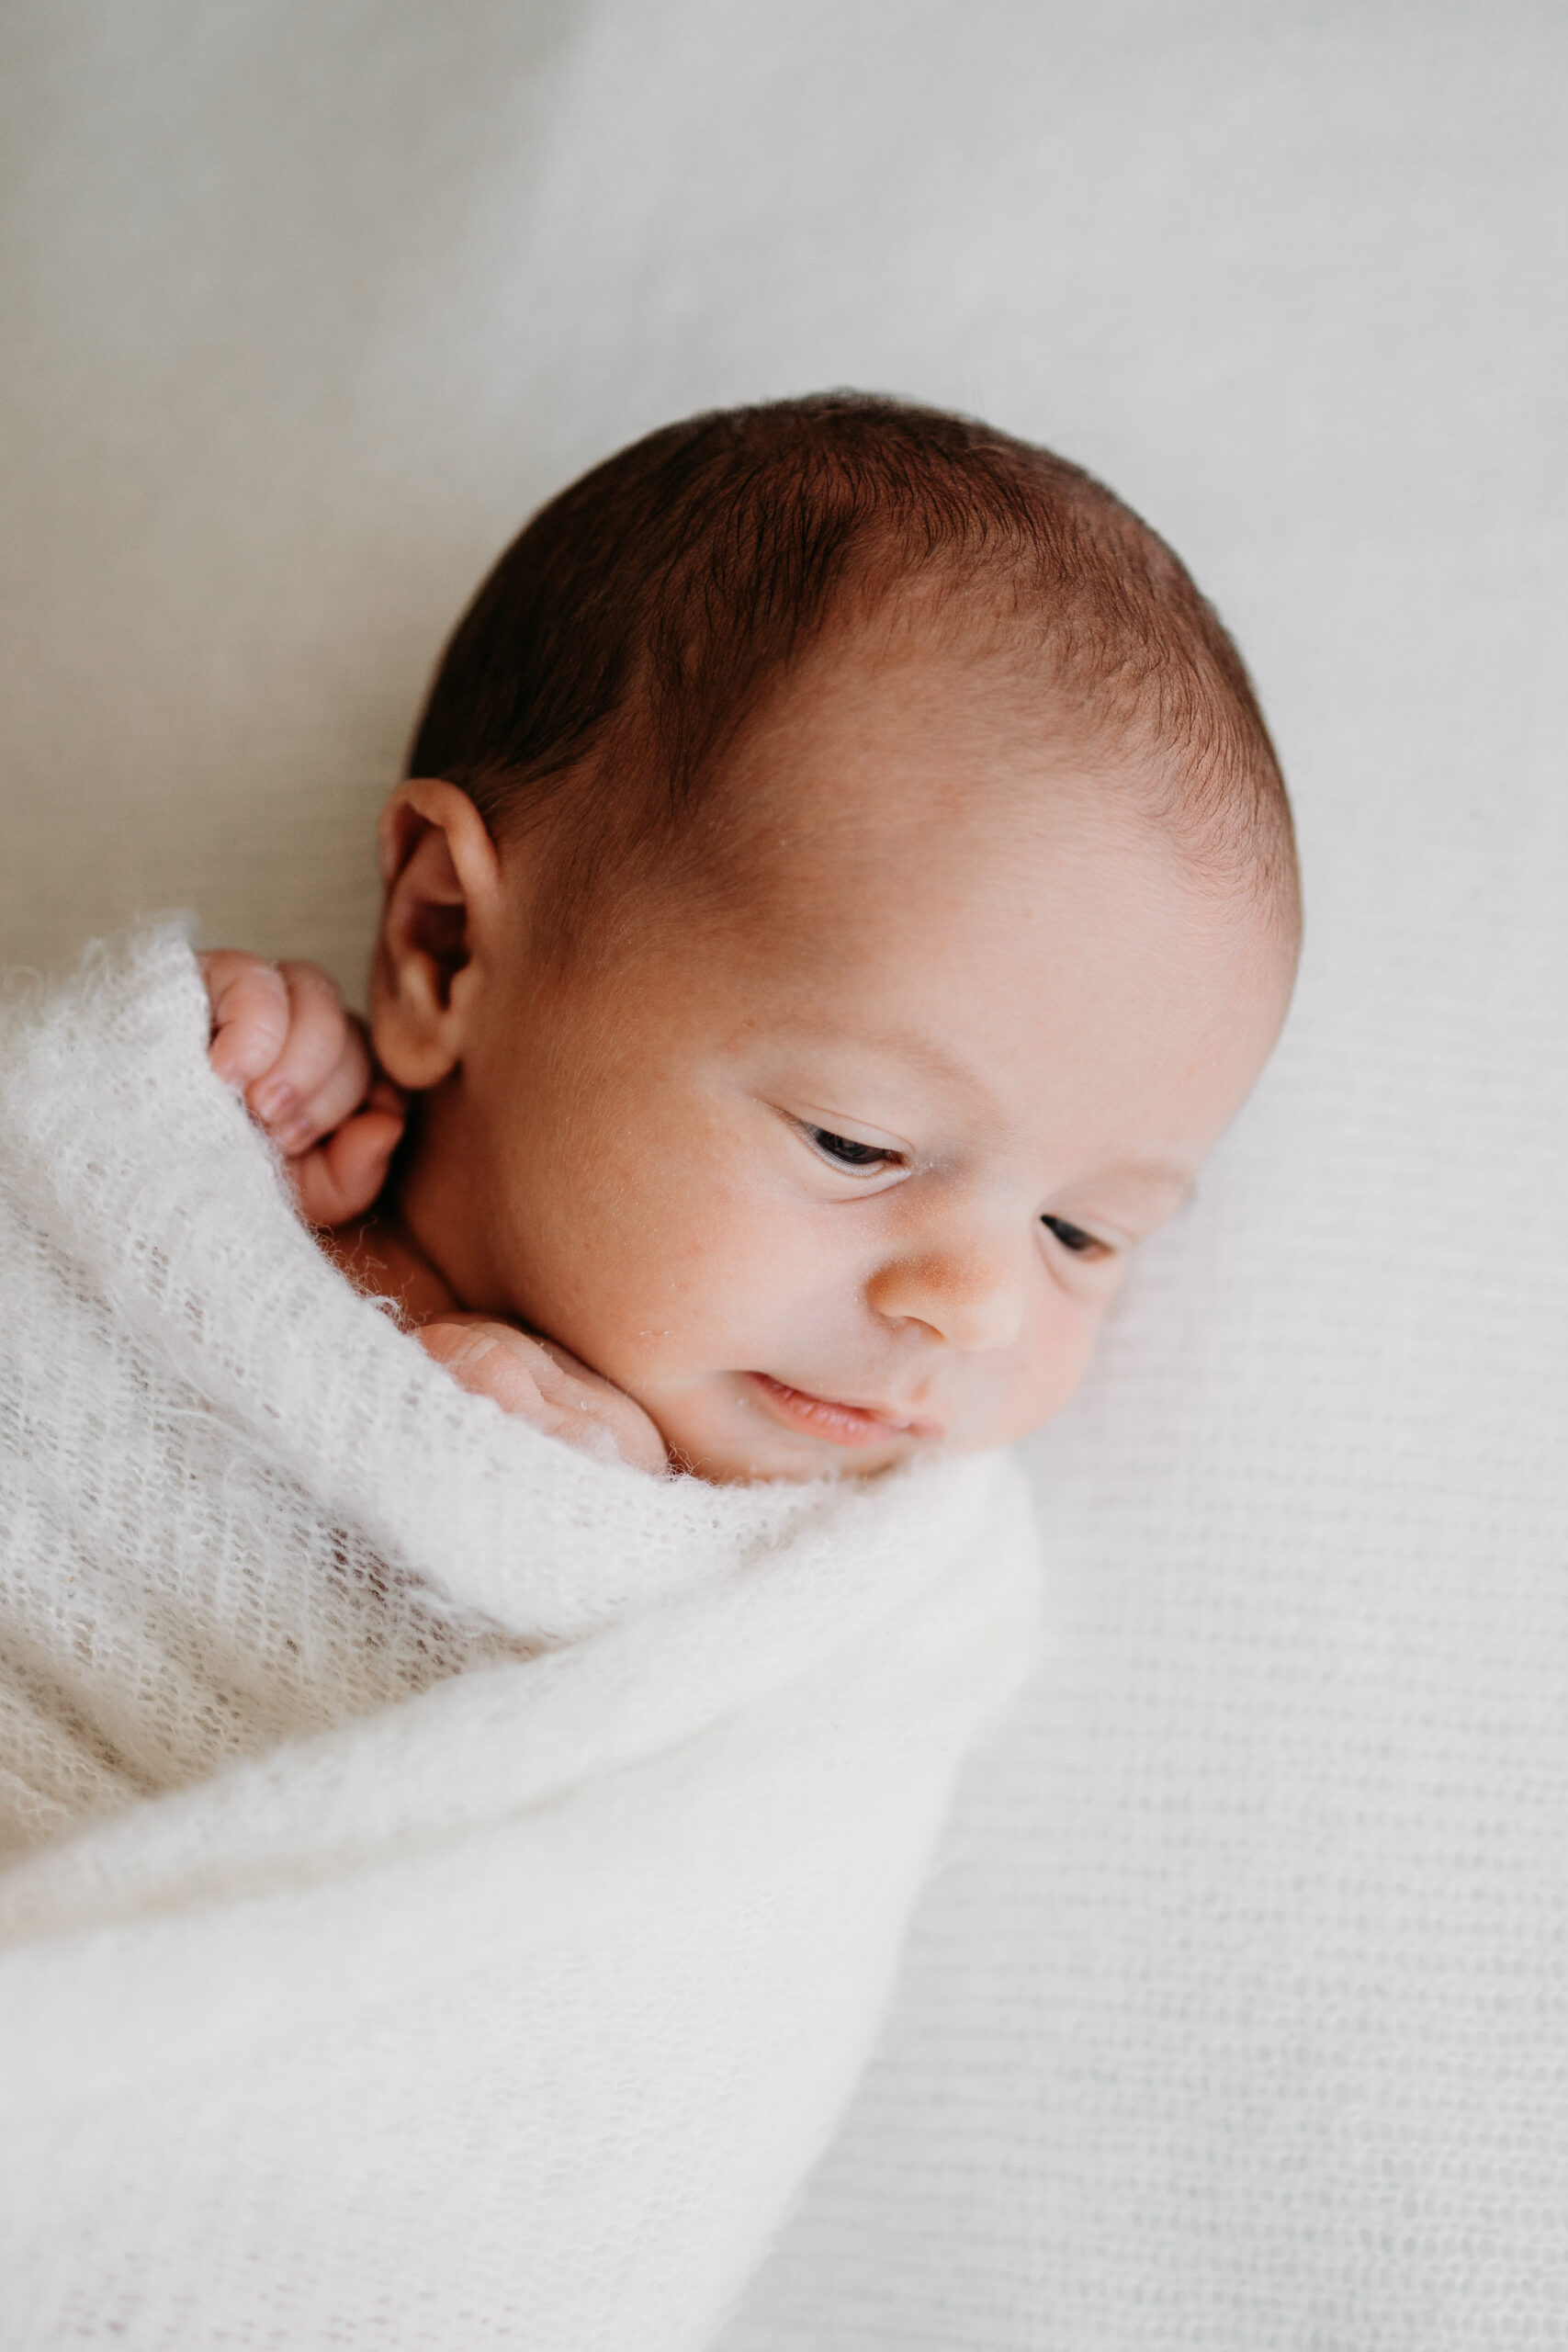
844, 891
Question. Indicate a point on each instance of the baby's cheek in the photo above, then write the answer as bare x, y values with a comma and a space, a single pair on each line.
701, 1292
1061, 1352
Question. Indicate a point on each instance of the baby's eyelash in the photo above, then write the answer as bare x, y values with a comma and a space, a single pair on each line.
849, 1154
1073, 1238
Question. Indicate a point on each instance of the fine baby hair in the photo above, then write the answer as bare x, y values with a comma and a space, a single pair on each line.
627, 634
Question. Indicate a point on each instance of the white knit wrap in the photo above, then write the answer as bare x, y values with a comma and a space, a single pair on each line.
450, 1883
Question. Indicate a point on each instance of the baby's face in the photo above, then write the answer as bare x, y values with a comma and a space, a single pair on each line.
848, 1165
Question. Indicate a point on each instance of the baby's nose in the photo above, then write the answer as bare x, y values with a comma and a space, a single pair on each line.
970, 1298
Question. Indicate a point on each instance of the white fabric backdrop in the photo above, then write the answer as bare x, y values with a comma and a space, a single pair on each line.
1236, 2018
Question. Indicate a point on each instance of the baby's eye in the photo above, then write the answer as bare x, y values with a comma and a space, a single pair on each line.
1073, 1238
848, 1154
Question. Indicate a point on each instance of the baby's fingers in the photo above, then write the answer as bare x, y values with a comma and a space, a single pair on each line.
345, 1089
249, 1000
342, 1177
529, 1378
483, 1358
323, 1070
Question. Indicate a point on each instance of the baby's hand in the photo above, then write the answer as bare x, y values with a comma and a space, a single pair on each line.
281, 1036
542, 1384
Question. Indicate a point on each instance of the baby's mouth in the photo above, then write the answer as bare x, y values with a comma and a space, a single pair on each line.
830, 1417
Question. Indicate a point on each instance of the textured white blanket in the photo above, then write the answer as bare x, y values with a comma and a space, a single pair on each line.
450, 1883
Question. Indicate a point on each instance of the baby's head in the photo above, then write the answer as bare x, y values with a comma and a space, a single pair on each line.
846, 891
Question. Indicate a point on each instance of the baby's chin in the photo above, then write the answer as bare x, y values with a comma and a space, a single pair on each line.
738, 1466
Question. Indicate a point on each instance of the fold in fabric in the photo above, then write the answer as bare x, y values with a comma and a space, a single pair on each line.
451, 1883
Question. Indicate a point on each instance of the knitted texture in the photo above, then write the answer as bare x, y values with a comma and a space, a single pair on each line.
453, 1882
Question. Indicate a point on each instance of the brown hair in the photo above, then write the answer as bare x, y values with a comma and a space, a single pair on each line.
624, 637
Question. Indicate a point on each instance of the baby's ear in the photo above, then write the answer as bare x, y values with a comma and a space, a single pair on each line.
442, 876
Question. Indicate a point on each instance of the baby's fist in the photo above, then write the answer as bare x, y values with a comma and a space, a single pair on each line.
542, 1384
281, 1036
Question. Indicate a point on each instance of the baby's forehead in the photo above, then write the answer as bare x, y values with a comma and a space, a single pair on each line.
945, 707
889, 753
921, 771
871, 853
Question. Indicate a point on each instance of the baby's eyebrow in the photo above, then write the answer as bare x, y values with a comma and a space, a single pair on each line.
904, 1047
914, 1052
1163, 1175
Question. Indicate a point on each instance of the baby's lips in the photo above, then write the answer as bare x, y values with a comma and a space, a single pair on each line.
840, 1418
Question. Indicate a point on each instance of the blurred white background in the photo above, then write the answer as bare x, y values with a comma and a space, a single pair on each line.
1235, 2018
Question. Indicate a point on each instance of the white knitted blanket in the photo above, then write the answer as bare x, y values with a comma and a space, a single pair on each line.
450, 1883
